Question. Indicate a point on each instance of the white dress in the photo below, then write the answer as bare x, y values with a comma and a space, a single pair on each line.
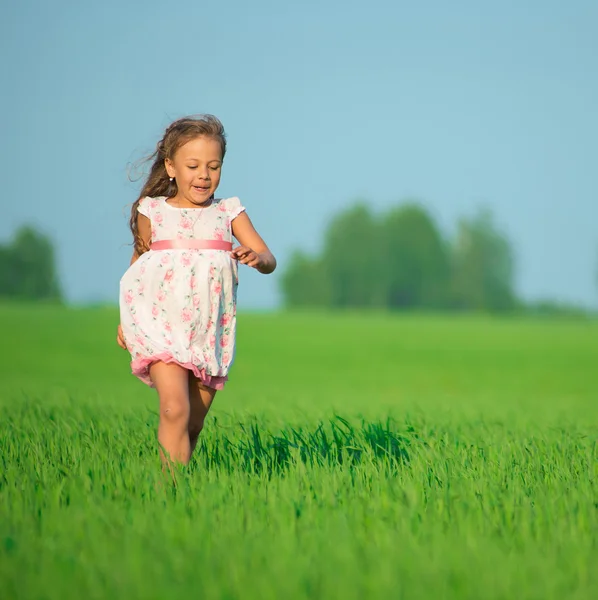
179, 305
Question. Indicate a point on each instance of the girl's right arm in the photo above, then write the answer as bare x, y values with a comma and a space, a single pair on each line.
145, 231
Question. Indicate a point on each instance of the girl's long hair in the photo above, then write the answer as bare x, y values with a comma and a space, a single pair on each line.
158, 183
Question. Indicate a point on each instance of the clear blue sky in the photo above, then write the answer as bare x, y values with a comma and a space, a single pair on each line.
455, 103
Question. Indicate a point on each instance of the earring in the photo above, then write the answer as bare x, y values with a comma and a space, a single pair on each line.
172, 179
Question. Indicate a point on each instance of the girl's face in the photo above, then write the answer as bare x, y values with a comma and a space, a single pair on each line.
196, 167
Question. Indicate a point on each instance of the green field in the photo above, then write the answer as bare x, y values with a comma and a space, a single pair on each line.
351, 456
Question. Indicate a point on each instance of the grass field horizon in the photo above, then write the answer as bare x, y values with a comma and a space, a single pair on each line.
350, 456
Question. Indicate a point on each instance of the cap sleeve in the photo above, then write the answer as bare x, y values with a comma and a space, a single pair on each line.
235, 208
144, 206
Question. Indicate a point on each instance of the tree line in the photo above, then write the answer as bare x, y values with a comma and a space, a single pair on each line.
28, 268
400, 260
394, 260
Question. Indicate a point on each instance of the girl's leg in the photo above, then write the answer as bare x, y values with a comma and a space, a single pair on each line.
200, 400
172, 383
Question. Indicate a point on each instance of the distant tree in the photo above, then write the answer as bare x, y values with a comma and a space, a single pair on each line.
305, 283
416, 262
352, 259
483, 266
400, 260
28, 269
556, 308
8, 272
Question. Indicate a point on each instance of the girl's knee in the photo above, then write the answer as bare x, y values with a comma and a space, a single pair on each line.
174, 409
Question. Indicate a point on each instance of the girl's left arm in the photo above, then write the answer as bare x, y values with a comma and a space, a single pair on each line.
253, 251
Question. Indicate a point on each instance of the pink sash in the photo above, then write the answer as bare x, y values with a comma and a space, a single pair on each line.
192, 245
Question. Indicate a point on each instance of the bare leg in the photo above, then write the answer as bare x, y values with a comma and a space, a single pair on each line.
200, 400
172, 383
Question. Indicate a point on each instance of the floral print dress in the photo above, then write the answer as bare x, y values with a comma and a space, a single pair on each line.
179, 305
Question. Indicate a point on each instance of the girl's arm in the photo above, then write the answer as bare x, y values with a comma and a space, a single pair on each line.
145, 231
253, 251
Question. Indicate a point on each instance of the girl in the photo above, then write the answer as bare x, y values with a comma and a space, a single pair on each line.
178, 297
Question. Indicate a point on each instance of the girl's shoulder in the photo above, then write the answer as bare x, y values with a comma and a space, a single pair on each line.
149, 203
232, 206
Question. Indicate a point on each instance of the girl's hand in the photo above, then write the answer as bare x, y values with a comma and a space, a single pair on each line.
247, 256
120, 339
253, 250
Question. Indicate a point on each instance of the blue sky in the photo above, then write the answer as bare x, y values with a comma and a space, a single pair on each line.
456, 103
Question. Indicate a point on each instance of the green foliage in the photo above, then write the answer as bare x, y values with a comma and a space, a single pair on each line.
305, 283
483, 266
414, 268
401, 260
555, 309
351, 259
28, 268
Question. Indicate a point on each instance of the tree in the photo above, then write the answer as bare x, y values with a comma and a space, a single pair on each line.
305, 282
27, 267
352, 260
483, 266
400, 260
8, 272
417, 269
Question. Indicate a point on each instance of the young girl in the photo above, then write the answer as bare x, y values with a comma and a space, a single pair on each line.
178, 297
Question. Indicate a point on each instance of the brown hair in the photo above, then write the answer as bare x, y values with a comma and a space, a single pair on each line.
158, 183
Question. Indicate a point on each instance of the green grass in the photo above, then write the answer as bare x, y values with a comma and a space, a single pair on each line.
351, 456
